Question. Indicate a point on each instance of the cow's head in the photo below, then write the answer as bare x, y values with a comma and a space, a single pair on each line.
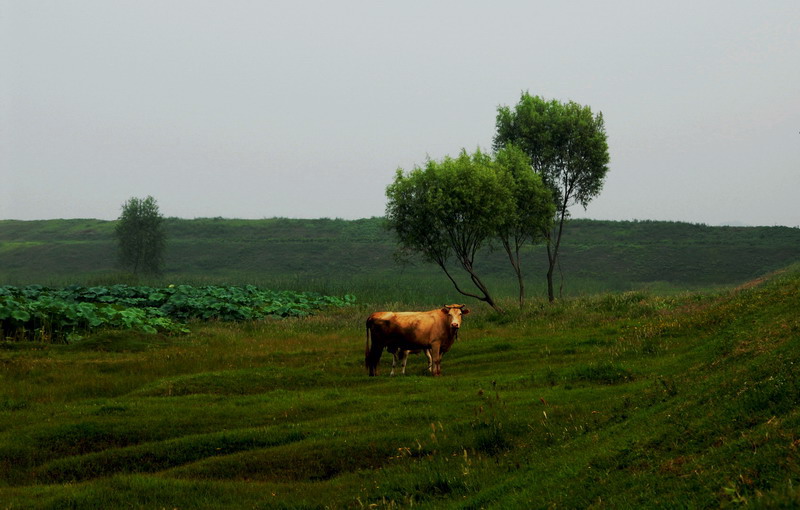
454, 313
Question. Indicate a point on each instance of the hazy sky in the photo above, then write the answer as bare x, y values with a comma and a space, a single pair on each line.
254, 109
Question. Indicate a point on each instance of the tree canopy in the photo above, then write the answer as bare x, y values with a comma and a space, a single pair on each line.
140, 236
452, 208
567, 147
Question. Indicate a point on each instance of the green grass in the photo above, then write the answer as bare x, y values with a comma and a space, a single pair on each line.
611, 401
336, 257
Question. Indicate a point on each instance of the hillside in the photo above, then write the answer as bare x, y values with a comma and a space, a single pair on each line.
612, 401
338, 256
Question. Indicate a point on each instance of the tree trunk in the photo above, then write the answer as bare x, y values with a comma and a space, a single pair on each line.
552, 250
513, 257
486, 298
551, 266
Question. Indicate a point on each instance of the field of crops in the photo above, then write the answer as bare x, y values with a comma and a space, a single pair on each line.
61, 314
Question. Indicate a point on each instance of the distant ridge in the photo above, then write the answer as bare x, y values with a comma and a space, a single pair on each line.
354, 255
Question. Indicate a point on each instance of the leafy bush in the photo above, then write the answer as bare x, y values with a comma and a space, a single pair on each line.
48, 314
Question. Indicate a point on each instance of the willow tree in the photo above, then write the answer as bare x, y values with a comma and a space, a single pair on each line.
140, 236
450, 209
533, 211
567, 146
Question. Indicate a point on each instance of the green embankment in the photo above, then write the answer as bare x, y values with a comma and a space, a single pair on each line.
339, 256
613, 401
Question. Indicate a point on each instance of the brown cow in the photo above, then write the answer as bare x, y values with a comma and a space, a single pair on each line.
399, 331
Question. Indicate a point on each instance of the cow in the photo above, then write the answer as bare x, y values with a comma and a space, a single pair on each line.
401, 356
410, 331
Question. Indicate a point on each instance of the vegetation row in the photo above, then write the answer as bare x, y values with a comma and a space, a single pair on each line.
44, 313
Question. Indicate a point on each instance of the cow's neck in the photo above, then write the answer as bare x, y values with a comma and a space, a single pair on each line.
452, 335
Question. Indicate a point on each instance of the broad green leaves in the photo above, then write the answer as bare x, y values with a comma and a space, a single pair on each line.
46, 313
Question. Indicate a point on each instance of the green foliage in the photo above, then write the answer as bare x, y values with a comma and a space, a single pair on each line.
566, 143
44, 313
140, 236
567, 147
454, 207
451, 207
533, 210
46, 316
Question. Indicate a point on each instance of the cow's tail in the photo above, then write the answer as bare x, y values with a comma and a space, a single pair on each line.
366, 350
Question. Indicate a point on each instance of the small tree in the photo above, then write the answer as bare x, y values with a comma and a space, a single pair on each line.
568, 148
451, 208
533, 210
140, 235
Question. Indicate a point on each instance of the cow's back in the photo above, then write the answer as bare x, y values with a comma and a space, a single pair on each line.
406, 330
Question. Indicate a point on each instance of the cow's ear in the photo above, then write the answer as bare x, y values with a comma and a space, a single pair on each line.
464, 311
445, 309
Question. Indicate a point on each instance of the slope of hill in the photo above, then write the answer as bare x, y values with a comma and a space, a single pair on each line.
612, 401
357, 256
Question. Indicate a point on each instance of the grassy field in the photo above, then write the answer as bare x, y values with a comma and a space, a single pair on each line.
337, 257
624, 400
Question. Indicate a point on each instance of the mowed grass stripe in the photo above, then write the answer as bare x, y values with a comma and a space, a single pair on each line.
152, 457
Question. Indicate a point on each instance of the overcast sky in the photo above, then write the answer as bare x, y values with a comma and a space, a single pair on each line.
304, 109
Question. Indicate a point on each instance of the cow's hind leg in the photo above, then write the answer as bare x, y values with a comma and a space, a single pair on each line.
399, 356
404, 359
374, 359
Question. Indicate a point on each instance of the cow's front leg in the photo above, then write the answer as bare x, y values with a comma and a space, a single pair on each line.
436, 360
430, 359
